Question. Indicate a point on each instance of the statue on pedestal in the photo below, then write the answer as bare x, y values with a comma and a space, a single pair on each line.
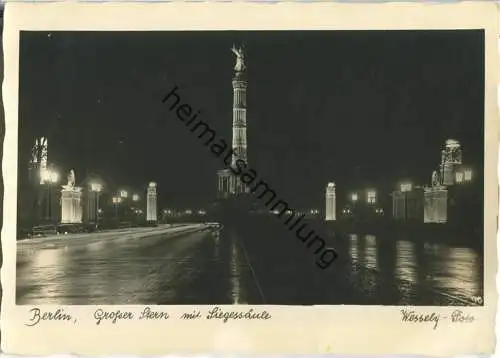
240, 59
435, 179
71, 179
71, 208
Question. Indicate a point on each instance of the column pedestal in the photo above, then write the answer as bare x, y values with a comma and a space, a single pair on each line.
71, 206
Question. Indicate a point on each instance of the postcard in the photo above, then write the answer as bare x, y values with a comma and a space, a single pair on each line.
246, 178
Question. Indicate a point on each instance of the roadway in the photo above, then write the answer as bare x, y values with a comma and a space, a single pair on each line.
195, 264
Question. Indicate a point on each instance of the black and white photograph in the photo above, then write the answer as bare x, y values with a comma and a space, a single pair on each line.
249, 179
251, 167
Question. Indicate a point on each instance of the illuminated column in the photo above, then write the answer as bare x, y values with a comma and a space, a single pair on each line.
330, 203
151, 215
239, 117
230, 184
239, 144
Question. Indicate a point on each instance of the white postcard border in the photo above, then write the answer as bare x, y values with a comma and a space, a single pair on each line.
292, 329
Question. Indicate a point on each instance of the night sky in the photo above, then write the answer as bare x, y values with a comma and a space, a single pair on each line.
361, 108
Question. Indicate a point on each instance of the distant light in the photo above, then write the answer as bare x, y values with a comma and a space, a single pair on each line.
331, 185
354, 197
97, 187
48, 176
452, 143
371, 196
468, 175
123, 194
459, 176
135, 197
117, 200
152, 184
189, 211
54, 176
406, 187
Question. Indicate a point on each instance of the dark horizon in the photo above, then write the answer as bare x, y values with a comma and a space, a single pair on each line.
355, 107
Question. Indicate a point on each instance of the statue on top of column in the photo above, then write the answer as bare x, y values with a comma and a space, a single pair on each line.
71, 178
240, 59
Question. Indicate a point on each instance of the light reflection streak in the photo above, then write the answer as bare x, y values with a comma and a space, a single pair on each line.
406, 266
216, 236
371, 261
460, 272
48, 268
353, 248
235, 274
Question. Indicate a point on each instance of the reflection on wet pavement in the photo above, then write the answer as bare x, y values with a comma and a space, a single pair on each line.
238, 267
423, 273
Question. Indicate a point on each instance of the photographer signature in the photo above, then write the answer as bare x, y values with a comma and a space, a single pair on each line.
457, 316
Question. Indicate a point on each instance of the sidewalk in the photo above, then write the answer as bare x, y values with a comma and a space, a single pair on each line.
119, 233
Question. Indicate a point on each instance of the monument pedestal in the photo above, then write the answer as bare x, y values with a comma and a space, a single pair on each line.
436, 204
71, 206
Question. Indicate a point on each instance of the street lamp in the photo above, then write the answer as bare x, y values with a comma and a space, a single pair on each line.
405, 187
96, 188
116, 202
49, 177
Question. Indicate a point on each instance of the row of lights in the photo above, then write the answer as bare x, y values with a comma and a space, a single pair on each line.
347, 211
51, 176
371, 196
289, 212
185, 212
122, 195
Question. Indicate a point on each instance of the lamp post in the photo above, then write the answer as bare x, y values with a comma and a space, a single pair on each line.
405, 188
96, 188
116, 202
354, 199
49, 177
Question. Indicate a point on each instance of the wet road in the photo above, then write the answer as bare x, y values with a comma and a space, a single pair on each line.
231, 267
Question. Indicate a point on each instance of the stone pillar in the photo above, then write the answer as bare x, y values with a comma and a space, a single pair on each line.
436, 205
151, 209
330, 211
71, 206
